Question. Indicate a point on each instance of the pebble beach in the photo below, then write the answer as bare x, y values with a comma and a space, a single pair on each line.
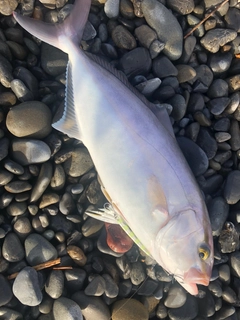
55, 263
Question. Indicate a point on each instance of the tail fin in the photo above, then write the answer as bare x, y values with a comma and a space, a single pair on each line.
72, 27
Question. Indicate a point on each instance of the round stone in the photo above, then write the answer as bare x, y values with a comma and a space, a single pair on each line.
12, 249
38, 249
79, 163
26, 287
30, 119
55, 284
129, 309
67, 309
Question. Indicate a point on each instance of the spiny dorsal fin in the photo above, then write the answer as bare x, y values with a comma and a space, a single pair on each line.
68, 121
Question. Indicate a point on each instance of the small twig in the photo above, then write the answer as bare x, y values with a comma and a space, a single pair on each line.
38, 267
207, 16
62, 268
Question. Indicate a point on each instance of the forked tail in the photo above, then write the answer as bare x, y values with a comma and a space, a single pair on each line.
56, 35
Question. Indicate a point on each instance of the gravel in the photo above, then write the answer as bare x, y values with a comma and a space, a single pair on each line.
48, 180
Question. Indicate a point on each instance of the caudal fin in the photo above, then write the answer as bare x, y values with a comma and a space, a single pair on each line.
72, 28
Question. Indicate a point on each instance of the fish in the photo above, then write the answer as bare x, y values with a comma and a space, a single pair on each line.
145, 178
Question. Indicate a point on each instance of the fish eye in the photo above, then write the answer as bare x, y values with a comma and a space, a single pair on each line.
203, 251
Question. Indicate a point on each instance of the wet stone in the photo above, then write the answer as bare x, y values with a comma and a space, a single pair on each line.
5, 200
193, 21
21, 91
135, 62
229, 295
66, 203
224, 273
53, 60
207, 143
75, 279
26, 151
167, 29
182, 7
145, 35
111, 8
92, 307
48, 199
129, 309
163, 67
111, 288
232, 18
222, 136
67, 309
220, 62
96, 287
5, 177
194, 155
60, 223
42, 182
77, 255
202, 119
185, 73
38, 249
26, 287
55, 284
5, 72
30, 119
4, 144
179, 106
218, 88
189, 309
222, 124
196, 102
176, 297
58, 178
205, 76
12, 249
218, 212
22, 227
155, 48
218, 105
6, 291
148, 288
231, 189
7, 99
229, 238
216, 38
137, 273
18, 186
123, 38
13, 167
79, 163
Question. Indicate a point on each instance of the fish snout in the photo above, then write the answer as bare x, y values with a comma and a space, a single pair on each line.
193, 275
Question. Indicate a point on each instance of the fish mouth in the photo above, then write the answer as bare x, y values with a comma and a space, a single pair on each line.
196, 276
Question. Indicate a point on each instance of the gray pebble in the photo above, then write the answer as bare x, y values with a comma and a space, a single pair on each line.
92, 307
218, 88
18, 186
79, 163
66, 203
123, 38
111, 8
53, 60
207, 143
193, 21
42, 182
126, 9
29, 151
222, 136
194, 155
48, 199
149, 86
176, 297
231, 189
74, 279
55, 284
235, 263
38, 249
224, 273
145, 35
4, 144
21, 91
155, 48
220, 62
182, 7
30, 119
17, 208
22, 227
136, 62
222, 124
13, 167
218, 212
185, 73
189, 309
5, 292
218, 105
232, 18
26, 287
163, 67
111, 288
137, 274
216, 38
179, 106
67, 309
58, 178
12, 249
96, 287
167, 28
5, 72
77, 254
5, 177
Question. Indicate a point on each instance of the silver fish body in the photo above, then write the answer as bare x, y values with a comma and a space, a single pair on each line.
142, 169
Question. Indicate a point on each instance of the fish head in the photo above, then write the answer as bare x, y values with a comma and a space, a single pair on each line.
184, 248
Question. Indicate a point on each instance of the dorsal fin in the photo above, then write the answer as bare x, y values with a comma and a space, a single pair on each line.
67, 123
